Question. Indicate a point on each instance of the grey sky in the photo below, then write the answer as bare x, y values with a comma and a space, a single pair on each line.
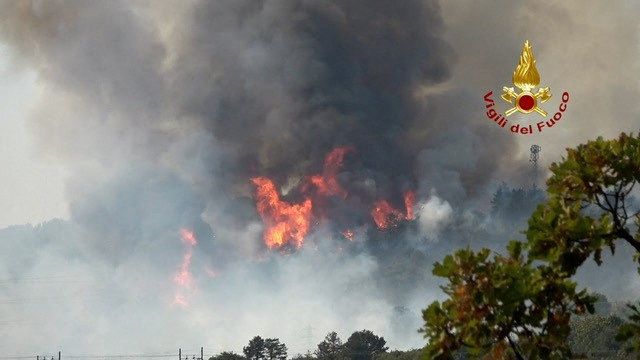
132, 120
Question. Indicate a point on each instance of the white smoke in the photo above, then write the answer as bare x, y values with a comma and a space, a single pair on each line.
434, 215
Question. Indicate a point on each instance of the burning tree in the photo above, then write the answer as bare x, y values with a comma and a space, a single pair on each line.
287, 223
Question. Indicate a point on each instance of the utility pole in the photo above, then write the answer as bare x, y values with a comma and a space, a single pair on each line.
180, 354
308, 335
201, 353
533, 159
59, 354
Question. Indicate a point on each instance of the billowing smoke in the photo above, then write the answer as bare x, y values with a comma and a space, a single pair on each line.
170, 116
281, 85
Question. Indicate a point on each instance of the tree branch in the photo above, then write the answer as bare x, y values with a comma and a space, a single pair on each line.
624, 234
514, 348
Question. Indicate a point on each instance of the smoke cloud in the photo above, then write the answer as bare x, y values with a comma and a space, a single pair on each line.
162, 112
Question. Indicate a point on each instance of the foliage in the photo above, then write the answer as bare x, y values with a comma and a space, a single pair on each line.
227, 355
275, 350
589, 206
255, 349
501, 306
415, 354
330, 348
364, 345
267, 349
512, 306
631, 330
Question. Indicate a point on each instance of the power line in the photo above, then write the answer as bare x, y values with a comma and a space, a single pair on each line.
183, 354
119, 356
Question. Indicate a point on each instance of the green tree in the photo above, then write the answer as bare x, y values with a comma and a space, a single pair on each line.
274, 349
501, 307
589, 207
520, 307
227, 355
255, 350
330, 348
364, 345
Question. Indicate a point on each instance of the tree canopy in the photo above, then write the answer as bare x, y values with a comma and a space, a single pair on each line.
519, 304
502, 306
265, 349
364, 345
227, 355
330, 348
590, 205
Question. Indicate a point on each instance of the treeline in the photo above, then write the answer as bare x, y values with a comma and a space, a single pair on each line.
591, 336
361, 345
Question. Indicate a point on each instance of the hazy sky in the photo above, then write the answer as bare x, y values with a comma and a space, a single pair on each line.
130, 121
32, 182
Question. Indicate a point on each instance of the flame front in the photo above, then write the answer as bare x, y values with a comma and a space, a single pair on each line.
386, 216
327, 183
285, 223
185, 283
526, 76
409, 202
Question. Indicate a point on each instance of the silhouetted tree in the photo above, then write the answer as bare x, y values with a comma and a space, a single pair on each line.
364, 345
306, 356
274, 349
330, 348
255, 350
513, 205
227, 355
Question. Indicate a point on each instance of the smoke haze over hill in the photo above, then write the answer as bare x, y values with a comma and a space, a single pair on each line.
161, 113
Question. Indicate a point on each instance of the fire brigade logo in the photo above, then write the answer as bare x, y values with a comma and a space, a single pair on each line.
526, 78
529, 98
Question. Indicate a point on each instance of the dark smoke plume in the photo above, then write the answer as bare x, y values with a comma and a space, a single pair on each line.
282, 83
164, 111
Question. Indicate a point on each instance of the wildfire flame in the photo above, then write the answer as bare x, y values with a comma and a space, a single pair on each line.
327, 183
285, 223
289, 223
185, 283
386, 216
526, 76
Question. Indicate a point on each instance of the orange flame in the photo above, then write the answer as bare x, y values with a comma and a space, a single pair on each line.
386, 216
327, 183
188, 237
285, 223
409, 202
184, 278
348, 234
